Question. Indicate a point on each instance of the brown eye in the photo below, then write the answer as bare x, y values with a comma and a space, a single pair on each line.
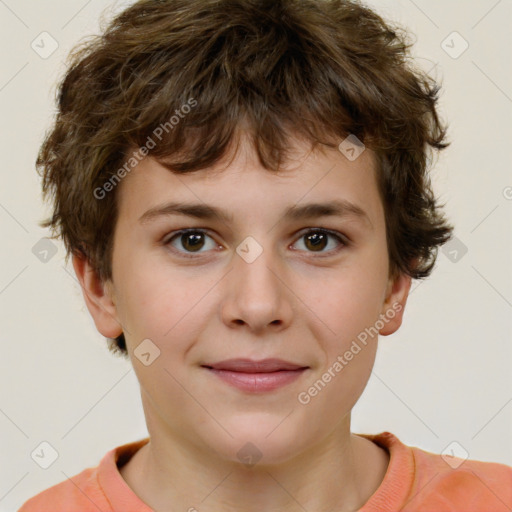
318, 240
192, 242
187, 242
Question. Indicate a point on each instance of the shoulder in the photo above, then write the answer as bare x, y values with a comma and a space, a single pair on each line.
421, 481
95, 488
80, 492
447, 482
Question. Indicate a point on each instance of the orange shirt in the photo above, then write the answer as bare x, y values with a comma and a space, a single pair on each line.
415, 481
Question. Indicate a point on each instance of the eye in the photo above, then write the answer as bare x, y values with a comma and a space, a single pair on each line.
192, 240
316, 240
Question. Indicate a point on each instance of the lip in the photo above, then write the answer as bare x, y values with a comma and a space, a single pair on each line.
256, 376
251, 366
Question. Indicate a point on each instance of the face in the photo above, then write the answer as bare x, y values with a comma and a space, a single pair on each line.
264, 277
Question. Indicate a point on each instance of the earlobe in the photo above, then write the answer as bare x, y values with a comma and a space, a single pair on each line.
98, 297
394, 304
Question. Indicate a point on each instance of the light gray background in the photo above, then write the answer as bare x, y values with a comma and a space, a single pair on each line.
445, 376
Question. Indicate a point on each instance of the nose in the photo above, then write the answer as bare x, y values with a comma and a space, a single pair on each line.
256, 295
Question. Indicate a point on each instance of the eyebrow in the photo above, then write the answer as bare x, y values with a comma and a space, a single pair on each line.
335, 208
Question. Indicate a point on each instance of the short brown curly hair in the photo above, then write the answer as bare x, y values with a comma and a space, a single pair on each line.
319, 69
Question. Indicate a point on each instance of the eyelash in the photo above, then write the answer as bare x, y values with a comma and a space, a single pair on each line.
338, 236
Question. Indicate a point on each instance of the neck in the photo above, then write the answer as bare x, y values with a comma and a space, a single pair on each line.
340, 473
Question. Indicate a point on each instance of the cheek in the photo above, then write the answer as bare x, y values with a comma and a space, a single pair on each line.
164, 305
351, 299
349, 347
354, 340
145, 305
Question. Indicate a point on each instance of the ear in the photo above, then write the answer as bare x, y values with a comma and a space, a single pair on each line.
99, 298
394, 305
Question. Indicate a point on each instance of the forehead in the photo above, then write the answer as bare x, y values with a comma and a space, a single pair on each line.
314, 183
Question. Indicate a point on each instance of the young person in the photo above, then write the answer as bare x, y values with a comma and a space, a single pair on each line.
243, 188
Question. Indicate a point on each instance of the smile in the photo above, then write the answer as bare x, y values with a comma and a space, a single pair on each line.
257, 382
256, 376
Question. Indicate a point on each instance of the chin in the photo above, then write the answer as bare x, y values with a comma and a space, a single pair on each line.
261, 439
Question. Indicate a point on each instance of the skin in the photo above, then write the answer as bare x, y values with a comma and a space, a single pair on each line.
293, 302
